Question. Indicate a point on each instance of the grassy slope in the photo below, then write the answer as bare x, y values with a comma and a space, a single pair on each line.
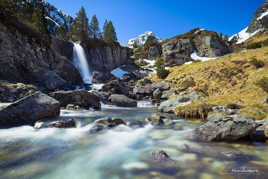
228, 80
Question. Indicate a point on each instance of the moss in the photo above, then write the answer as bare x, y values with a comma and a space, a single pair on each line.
261, 117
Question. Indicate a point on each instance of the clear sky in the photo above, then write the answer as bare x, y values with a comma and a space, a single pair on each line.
166, 18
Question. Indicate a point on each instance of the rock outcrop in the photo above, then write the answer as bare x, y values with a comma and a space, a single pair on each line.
226, 128
107, 58
209, 44
28, 110
260, 19
82, 98
177, 51
23, 60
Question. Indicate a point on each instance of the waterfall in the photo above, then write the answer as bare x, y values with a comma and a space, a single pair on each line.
80, 62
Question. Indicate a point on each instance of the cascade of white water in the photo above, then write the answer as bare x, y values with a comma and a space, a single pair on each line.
80, 62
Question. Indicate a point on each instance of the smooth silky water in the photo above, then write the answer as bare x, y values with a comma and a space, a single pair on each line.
122, 152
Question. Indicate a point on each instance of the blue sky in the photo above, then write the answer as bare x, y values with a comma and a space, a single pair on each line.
166, 18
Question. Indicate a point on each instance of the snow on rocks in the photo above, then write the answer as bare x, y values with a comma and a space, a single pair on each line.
244, 35
119, 73
263, 15
195, 57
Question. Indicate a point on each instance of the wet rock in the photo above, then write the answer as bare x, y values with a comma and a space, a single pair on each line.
157, 94
226, 128
81, 98
106, 123
261, 133
67, 123
158, 120
170, 105
28, 110
115, 87
136, 124
72, 107
160, 156
110, 122
122, 101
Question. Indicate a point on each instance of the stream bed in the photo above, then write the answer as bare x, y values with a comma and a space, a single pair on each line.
123, 152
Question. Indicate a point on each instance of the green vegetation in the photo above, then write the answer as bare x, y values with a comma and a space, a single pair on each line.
26, 17
94, 31
161, 72
256, 45
109, 34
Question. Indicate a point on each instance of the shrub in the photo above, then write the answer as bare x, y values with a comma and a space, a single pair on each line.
160, 68
257, 63
263, 84
254, 45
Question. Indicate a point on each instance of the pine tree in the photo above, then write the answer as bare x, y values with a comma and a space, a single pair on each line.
80, 27
109, 33
104, 28
225, 38
94, 28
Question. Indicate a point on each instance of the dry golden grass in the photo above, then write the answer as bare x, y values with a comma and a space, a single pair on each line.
230, 79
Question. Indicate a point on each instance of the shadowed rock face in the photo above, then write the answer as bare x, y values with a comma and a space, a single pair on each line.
28, 110
107, 58
177, 51
258, 22
81, 98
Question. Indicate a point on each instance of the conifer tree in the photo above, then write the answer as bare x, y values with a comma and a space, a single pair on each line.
94, 30
80, 27
109, 33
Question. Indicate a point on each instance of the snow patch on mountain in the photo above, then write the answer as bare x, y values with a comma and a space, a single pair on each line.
244, 35
194, 56
263, 15
141, 39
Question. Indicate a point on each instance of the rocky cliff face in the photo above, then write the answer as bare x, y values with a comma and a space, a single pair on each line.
107, 58
23, 60
178, 50
209, 45
260, 19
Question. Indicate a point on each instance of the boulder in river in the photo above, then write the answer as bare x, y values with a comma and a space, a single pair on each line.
66, 123
170, 105
106, 123
81, 98
28, 110
226, 128
122, 101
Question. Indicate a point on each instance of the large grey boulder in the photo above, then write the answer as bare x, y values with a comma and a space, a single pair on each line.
28, 110
170, 105
122, 101
225, 128
209, 45
115, 87
52, 81
81, 98
177, 51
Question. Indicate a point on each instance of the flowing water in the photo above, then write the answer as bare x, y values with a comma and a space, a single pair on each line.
80, 62
123, 152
